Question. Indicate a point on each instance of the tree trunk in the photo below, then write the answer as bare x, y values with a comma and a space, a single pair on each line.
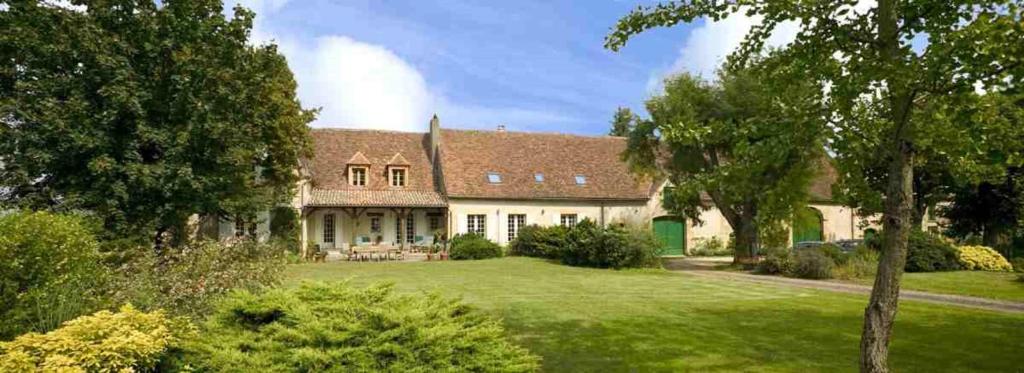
746, 241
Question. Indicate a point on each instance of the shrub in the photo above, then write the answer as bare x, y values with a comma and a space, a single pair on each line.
1018, 264
981, 258
712, 247
834, 252
539, 242
335, 327
50, 271
589, 245
776, 261
128, 340
284, 228
927, 252
186, 281
862, 263
813, 264
473, 246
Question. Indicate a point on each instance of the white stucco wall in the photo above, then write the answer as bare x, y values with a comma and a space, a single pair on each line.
541, 212
346, 228
226, 228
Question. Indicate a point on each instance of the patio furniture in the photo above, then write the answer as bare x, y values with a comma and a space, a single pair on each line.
319, 255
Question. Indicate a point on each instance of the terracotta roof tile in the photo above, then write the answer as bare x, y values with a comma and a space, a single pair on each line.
376, 198
468, 156
398, 160
358, 159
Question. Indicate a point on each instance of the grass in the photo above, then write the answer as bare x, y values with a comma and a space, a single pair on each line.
994, 285
580, 319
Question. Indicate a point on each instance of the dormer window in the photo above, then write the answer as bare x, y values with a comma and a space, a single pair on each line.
581, 180
398, 177
357, 176
538, 177
493, 177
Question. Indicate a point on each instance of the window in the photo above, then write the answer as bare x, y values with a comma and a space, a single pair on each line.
239, 227
398, 177
476, 224
515, 221
569, 220
435, 222
538, 177
357, 176
410, 229
493, 177
375, 224
329, 228
252, 230
580, 179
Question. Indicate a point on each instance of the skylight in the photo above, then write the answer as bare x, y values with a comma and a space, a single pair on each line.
494, 177
580, 179
538, 177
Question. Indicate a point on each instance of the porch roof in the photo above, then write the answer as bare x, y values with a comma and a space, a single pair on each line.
375, 198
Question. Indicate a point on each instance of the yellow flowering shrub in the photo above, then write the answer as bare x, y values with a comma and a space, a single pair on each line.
125, 341
981, 258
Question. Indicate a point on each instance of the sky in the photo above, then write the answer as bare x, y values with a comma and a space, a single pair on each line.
528, 65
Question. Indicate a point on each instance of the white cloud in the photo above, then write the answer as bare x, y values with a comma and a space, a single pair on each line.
708, 45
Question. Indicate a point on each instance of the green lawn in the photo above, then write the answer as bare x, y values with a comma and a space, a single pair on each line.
995, 285
602, 320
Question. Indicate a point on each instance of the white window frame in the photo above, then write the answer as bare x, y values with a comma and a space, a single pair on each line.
515, 223
353, 180
581, 179
569, 220
476, 224
328, 231
375, 224
239, 227
434, 222
399, 177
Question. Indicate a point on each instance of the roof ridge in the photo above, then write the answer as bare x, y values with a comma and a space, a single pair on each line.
340, 129
541, 133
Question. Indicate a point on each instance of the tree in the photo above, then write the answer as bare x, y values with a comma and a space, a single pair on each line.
623, 122
752, 153
864, 59
144, 114
993, 211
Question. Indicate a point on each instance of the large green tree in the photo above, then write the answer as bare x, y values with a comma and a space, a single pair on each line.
736, 142
144, 114
864, 58
622, 122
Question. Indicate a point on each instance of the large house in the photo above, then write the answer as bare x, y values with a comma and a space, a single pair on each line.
373, 187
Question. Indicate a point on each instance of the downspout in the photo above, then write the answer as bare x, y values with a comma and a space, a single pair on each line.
602, 214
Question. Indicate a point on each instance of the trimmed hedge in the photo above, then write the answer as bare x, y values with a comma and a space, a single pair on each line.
473, 246
335, 327
589, 245
981, 258
128, 340
539, 242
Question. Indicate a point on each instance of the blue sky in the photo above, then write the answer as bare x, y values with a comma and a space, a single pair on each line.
530, 65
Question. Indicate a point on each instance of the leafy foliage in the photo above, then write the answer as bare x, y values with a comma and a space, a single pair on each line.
862, 263
776, 261
993, 210
589, 245
539, 242
188, 280
751, 150
125, 341
623, 122
473, 246
145, 113
927, 252
335, 327
981, 258
50, 271
711, 247
813, 264
284, 228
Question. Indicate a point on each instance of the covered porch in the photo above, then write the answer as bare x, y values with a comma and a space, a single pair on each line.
341, 222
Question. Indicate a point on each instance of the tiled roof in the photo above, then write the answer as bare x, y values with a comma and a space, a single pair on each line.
376, 198
334, 149
398, 160
468, 156
821, 185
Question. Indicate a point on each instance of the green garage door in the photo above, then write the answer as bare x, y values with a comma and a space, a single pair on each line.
671, 231
807, 226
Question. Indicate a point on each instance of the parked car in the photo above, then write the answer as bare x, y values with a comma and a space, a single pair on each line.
848, 246
807, 245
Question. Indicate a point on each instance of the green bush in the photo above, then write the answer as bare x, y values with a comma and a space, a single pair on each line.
1018, 264
50, 271
185, 281
284, 228
813, 264
473, 246
927, 252
335, 327
539, 242
834, 252
125, 341
862, 263
981, 258
712, 247
776, 261
589, 245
